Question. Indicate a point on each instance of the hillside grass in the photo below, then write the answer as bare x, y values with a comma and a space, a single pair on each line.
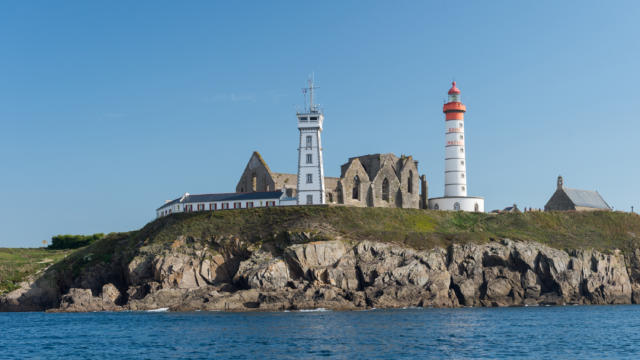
16, 264
419, 229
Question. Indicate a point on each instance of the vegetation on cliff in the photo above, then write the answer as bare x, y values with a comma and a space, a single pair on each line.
418, 229
16, 264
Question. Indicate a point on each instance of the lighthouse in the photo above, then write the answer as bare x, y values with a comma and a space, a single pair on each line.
311, 189
455, 163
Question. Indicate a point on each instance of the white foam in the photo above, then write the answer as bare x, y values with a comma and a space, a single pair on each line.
158, 310
313, 310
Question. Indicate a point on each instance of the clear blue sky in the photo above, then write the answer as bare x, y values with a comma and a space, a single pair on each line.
109, 108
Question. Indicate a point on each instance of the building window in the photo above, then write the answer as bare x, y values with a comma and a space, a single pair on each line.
463, 188
410, 182
461, 137
309, 199
461, 162
356, 188
313, 118
436, 207
476, 207
385, 189
330, 195
249, 204
462, 175
456, 206
309, 141
461, 150
309, 178
309, 158
237, 205
461, 124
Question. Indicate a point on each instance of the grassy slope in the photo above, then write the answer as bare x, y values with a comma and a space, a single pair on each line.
18, 263
421, 229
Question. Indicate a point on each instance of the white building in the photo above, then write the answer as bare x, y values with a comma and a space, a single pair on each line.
455, 167
311, 189
215, 202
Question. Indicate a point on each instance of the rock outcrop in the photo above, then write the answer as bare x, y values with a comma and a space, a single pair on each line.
232, 276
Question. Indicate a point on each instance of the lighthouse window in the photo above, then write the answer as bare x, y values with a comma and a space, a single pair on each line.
309, 178
309, 158
461, 162
456, 206
461, 149
462, 175
461, 137
463, 188
314, 118
461, 124
309, 140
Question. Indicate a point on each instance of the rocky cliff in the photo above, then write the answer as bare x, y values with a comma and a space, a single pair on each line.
337, 275
305, 270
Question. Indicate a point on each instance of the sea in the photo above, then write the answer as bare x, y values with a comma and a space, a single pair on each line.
560, 332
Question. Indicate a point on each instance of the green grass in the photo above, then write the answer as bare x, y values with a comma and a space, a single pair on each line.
16, 264
420, 229
280, 226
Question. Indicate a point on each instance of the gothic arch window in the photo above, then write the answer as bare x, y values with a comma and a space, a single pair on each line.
410, 183
456, 206
356, 188
254, 182
385, 189
330, 197
340, 197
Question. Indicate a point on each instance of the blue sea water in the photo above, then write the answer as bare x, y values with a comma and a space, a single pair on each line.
568, 332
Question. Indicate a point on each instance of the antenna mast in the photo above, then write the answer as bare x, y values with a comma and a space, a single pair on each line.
309, 89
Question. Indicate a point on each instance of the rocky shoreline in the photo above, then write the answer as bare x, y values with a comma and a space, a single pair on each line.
227, 275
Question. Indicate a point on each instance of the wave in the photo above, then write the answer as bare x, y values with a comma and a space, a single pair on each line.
158, 310
313, 310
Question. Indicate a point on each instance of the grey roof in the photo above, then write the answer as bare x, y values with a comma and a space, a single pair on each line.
203, 198
586, 198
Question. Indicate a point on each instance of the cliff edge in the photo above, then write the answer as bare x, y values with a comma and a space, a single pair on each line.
346, 258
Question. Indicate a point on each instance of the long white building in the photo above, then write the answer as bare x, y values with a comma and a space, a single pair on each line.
227, 201
455, 164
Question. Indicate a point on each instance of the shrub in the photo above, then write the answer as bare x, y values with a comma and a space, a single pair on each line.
59, 242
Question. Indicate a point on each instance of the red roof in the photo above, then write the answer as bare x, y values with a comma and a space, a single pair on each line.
454, 89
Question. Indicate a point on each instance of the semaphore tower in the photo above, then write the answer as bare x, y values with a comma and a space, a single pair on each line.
310, 167
455, 166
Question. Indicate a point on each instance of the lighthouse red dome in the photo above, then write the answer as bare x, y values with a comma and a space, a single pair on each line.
454, 89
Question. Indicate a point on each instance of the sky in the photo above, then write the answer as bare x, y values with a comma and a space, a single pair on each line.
109, 108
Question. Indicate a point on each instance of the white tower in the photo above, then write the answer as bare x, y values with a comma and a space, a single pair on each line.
455, 166
310, 165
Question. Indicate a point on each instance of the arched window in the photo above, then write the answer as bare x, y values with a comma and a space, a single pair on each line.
436, 207
356, 188
340, 197
385, 189
476, 207
330, 197
254, 182
456, 206
410, 183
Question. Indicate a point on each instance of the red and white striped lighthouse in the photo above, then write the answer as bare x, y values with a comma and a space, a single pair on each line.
455, 165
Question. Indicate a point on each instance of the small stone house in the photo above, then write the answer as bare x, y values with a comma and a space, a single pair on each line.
565, 199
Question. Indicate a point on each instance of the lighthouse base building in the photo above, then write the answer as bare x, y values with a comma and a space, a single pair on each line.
467, 203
